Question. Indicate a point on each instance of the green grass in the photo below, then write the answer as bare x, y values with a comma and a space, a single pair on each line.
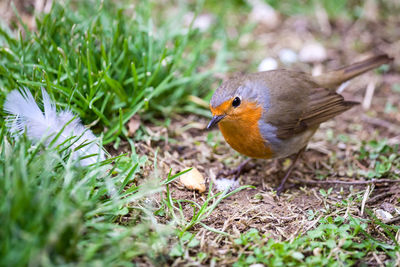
185, 239
336, 241
383, 159
53, 212
107, 63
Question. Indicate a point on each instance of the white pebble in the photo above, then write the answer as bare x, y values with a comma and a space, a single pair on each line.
226, 184
383, 215
342, 146
268, 64
287, 56
264, 13
313, 52
202, 22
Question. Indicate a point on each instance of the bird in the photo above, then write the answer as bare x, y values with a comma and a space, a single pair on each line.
273, 114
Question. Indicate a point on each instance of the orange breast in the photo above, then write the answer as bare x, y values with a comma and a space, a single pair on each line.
242, 133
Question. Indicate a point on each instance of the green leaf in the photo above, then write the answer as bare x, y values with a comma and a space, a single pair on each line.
176, 251
315, 233
193, 243
297, 255
330, 243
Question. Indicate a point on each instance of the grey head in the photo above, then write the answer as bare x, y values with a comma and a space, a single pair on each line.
247, 87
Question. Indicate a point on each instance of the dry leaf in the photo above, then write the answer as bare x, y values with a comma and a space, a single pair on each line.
193, 180
133, 124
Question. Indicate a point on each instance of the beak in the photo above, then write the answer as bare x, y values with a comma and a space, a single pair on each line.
215, 120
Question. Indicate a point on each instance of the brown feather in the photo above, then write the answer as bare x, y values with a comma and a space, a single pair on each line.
323, 105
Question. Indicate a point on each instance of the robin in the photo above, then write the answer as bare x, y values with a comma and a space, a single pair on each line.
274, 114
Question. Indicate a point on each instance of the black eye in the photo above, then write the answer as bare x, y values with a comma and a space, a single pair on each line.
236, 102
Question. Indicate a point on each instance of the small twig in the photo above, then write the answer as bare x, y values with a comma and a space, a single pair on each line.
379, 196
377, 259
393, 220
394, 140
369, 94
360, 165
323, 20
362, 182
342, 87
368, 191
381, 123
313, 224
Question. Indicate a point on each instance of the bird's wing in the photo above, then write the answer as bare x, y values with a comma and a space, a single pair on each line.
322, 105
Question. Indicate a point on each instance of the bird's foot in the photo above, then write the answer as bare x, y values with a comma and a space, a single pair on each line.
236, 172
280, 189
281, 186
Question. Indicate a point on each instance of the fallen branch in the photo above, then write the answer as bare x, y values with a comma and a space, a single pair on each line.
381, 123
380, 196
362, 182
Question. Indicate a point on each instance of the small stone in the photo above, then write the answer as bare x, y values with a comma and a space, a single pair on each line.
202, 22
341, 146
264, 14
383, 215
317, 251
268, 64
313, 52
287, 56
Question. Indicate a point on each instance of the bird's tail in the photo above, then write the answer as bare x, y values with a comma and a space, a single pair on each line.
334, 78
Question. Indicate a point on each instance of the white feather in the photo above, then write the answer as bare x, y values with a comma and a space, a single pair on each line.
25, 115
223, 184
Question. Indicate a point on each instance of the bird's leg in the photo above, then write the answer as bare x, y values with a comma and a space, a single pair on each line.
281, 187
237, 171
